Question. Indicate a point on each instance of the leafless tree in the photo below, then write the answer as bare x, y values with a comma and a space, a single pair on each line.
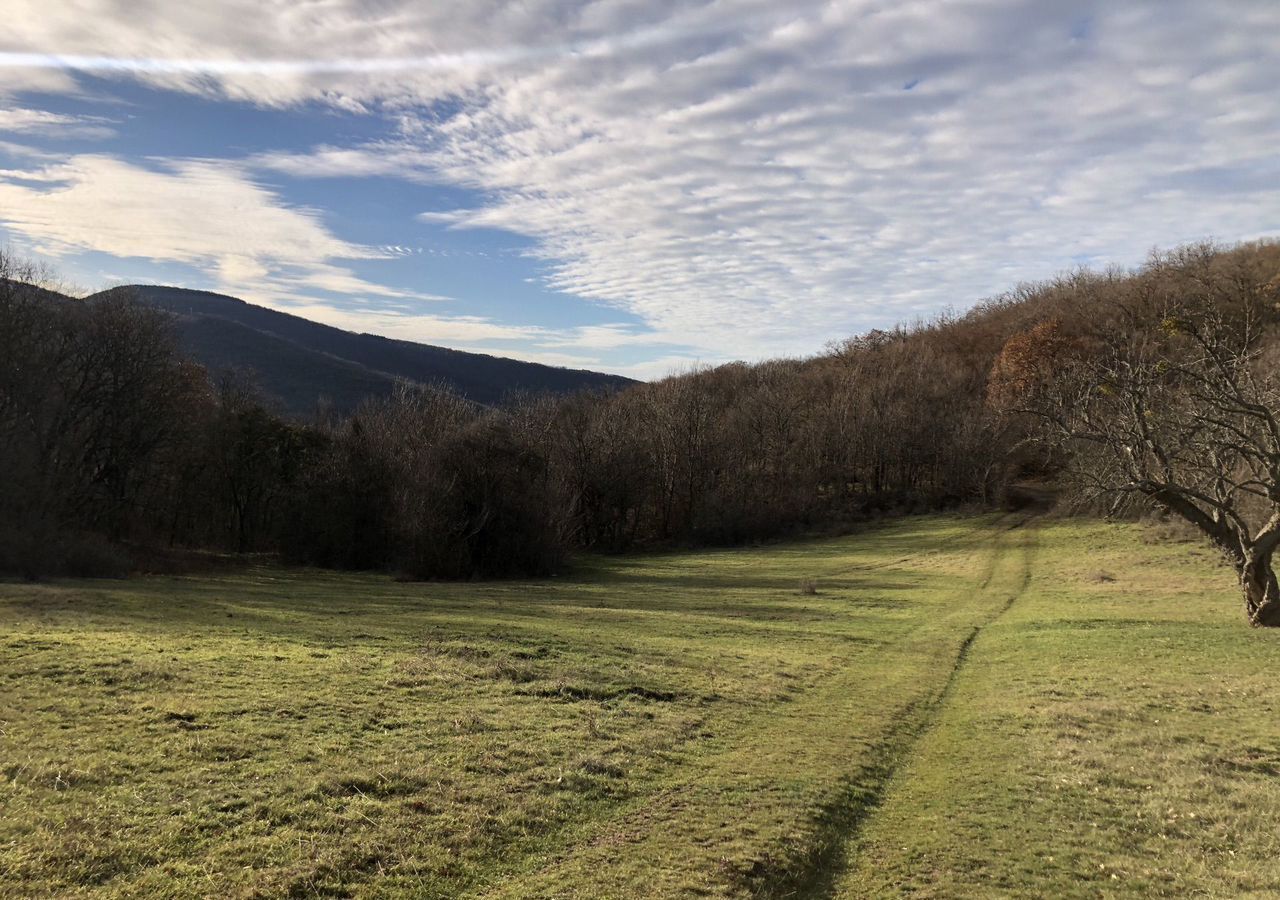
1177, 403
91, 393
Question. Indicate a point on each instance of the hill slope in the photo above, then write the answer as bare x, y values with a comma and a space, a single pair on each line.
294, 375
300, 361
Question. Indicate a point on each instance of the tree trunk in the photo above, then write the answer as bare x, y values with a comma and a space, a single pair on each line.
1261, 592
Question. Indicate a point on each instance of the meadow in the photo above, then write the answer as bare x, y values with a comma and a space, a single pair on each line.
939, 707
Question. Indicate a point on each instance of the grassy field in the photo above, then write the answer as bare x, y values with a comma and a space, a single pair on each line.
966, 707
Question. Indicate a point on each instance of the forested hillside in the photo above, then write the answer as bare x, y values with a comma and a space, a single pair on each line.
1148, 387
303, 364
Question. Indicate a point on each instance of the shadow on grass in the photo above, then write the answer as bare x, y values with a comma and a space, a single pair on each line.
338, 609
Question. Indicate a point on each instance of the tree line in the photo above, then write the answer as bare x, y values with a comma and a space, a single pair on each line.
1151, 385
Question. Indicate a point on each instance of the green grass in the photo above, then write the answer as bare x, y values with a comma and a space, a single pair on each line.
1115, 733
963, 708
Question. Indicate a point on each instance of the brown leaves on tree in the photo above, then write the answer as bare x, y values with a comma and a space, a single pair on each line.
1027, 362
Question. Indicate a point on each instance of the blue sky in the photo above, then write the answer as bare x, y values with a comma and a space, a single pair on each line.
623, 185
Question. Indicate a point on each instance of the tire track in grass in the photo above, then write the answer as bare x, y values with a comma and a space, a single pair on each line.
962, 541
813, 871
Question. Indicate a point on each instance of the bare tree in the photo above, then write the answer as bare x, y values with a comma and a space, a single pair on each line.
91, 395
1180, 406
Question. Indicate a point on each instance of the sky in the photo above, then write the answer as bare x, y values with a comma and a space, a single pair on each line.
634, 186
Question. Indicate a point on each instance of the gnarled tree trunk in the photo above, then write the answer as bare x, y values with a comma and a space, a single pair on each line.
1261, 591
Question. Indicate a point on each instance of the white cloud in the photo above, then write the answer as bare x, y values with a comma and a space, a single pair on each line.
201, 213
17, 119
17, 79
609, 337
748, 177
249, 244
572, 347
657, 367
469, 331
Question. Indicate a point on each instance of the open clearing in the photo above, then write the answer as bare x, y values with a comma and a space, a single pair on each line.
967, 707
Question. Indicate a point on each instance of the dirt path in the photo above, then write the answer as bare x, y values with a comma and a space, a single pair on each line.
1014, 543
1018, 549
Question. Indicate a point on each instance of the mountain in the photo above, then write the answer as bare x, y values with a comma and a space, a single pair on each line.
300, 362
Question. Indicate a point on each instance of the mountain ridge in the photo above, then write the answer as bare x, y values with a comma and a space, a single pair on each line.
303, 363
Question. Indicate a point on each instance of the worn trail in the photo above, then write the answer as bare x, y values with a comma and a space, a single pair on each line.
1009, 570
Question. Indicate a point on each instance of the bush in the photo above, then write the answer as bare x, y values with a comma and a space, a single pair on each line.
35, 554
486, 510
93, 556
